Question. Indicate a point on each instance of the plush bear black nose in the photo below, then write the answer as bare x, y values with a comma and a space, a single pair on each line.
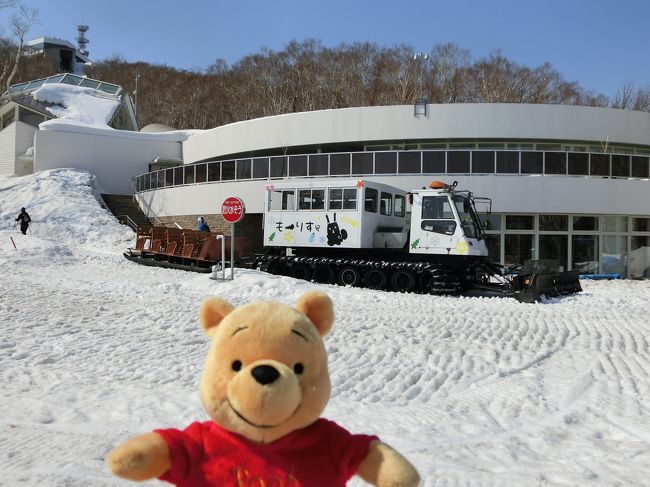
265, 374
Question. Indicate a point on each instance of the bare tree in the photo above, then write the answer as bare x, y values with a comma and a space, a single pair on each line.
20, 23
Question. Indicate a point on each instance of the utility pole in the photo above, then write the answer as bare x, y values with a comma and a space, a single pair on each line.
135, 95
420, 106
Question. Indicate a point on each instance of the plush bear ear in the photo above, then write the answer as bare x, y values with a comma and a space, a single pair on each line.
319, 309
212, 311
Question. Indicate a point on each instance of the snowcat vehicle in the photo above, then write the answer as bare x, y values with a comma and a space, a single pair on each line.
358, 233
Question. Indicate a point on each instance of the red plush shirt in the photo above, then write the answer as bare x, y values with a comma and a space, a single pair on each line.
323, 454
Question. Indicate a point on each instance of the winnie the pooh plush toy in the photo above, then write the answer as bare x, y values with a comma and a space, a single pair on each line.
264, 385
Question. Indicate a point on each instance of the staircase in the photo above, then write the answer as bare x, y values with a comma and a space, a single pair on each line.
126, 210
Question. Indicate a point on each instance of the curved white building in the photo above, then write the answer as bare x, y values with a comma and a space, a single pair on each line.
567, 183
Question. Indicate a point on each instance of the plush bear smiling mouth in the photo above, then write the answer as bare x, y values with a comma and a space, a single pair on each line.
261, 426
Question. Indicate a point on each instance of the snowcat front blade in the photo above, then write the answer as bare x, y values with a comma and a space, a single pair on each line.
535, 281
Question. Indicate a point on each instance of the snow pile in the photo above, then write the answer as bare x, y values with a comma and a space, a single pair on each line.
474, 391
79, 105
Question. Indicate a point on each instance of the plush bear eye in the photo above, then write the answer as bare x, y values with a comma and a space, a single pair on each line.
236, 365
298, 368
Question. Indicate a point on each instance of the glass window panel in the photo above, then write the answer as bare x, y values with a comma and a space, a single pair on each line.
620, 166
227, 170
555, 248
339, 164
508, 162
599, 164
386, 163
551, 147
520, 222
189, 175
318, 165
555, 163
400, 205
244, 169
409, 162
361, 163
30, 118
578, 164
169, 177
371, 200
298, 166
532, 162
518, 248
641, 224
90, 83
261, 168
108, 88
585, 223
278, 167
70, 79
493, 243
584, 251
483, 162
153, 180
147, 182
200, 174
614, 223
433, 162
311, 199
553, 223
386, 204
613, 259
491, 221
640, 167
350, 199
178, 176
640, 256
282, 200
214, 171
458, 162
335, 199
436, 207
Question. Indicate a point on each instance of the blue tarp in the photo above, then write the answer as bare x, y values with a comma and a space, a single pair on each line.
601, 276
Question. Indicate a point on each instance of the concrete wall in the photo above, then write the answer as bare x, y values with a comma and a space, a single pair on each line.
24, 140
8, 149
451, 121
115, 157
510, 194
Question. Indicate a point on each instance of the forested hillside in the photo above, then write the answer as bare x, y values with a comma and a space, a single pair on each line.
308, 76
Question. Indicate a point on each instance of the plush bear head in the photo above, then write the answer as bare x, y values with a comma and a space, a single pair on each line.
266, 371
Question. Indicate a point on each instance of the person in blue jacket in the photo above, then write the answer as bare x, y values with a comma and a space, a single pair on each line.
24, 219
201, 225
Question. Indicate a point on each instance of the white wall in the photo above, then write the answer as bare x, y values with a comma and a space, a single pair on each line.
24, 140
443, 121
8, 149
510, 194
115, 157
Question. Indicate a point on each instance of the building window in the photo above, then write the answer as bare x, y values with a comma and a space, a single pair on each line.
640, 167
584, 251
282, 200
555, 249
410, 162
318, 165
620, 166
311, 199
228, 170
616, 224
278, 167
614, 256
339, 164
297, 166
518, 248
641, 224
483, 162
189, 175
178, 176
261, 168
578, 164
508, 162
361, 163
386, 163
640, 256
201, 173
599, 164
458, 162
244, 169
553, 223
555, 163
532, 162
585, 223
214, 171
433, 162
520, 222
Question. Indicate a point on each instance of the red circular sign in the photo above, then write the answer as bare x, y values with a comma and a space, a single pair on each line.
232, 209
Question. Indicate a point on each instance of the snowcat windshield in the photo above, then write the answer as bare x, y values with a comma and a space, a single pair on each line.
468, 218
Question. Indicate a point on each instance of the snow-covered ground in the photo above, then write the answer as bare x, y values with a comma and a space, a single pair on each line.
474, 391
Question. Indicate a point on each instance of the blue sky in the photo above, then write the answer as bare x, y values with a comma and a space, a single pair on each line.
602, 44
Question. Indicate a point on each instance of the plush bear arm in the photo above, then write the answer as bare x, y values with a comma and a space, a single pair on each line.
141, 458
384, 467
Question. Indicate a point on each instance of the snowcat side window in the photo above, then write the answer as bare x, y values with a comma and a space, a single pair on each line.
350, 199
342, 199
311, 199
371, 200
282, 200
436, 207
336, 199
448, 227
386, 204
400, 205
467, 216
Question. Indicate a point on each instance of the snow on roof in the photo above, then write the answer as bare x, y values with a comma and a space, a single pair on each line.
79, 105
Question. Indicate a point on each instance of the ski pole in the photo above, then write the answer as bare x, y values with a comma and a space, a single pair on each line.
12, 241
